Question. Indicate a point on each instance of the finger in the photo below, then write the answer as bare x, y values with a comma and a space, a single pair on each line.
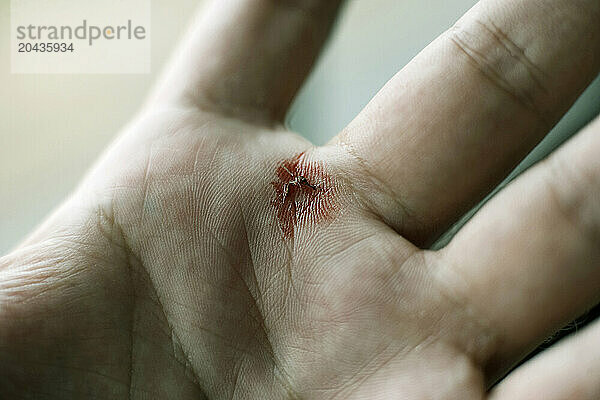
249, 57
449, 126
569, 370
529, 259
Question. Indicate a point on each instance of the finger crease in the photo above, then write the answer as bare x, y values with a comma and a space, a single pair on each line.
491, 69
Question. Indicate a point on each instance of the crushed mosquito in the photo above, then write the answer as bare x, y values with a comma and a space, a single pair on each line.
304, 194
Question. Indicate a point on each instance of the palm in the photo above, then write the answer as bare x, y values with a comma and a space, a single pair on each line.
207, 292
182, 277
249, 304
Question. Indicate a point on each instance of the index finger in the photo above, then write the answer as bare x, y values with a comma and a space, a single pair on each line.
248, 58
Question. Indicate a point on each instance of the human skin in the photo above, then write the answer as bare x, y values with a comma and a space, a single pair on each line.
167, 273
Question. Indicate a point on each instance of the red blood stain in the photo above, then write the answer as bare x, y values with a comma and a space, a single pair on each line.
304, 194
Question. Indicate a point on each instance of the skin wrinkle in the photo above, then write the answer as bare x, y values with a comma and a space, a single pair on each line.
289, 246
188, 366
226, 341
38, 266
99, 374
565, 211
324, 257
133, 322
355, 383
238, 370
259, 298
133, 335
490, 338
402, 350
458, 35
358, 377
196, 170
133, 260
520, 55
146, 182
558, 167
281, 373
405, 211
260, 319
54, 274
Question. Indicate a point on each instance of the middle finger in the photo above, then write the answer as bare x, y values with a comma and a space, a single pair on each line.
448, 127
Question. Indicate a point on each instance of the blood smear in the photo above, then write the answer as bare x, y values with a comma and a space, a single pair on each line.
298, 204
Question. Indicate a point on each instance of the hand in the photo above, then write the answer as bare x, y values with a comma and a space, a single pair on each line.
211, 253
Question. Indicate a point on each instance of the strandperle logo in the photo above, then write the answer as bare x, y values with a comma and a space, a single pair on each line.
83, 31
80, 36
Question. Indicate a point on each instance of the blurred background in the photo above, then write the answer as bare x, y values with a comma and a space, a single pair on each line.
52, 127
